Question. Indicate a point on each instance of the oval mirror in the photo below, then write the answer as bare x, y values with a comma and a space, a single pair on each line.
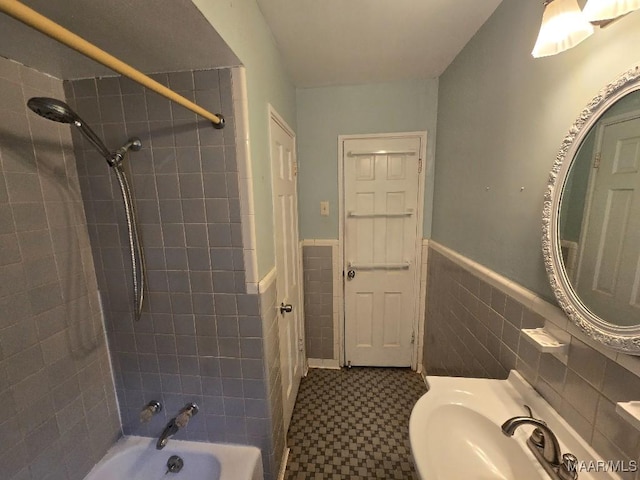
591, 218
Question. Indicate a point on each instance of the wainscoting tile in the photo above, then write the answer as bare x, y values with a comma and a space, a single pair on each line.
318, 301
583, 388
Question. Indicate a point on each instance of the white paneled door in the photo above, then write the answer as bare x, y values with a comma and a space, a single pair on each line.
609, 263
285, 212
381, 237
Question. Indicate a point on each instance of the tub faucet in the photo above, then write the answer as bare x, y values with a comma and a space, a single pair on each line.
176, 424
545, 447
169, 431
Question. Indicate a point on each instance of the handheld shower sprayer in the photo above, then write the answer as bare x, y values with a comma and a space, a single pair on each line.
58, 111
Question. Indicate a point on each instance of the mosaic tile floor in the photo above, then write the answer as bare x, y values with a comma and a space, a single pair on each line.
353, 424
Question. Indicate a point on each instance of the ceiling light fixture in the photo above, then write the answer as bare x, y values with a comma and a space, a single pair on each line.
563, 26
604, 11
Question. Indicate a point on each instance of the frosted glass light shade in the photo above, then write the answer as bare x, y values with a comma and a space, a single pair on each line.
601, 10
563, 26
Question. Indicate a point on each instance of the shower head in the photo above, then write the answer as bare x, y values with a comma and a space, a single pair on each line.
58, 111
53, 109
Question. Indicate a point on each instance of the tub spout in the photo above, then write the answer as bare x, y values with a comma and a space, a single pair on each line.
176, 424
170, 430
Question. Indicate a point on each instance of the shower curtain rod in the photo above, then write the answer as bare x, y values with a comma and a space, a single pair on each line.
30, 17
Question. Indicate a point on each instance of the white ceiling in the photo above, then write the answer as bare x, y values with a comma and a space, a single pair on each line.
347, 42
323, 42
152, 36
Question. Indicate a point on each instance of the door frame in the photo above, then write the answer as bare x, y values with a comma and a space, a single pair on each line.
418, 323
597, 147
276, 117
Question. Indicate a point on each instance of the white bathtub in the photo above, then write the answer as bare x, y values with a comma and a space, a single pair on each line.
136, 458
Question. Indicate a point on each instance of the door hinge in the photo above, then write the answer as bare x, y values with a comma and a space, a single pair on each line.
295, 168
301, 344
413, 337
419, 165
597, 159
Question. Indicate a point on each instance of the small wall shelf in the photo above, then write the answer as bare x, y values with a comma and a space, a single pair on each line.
630, 411
544, 341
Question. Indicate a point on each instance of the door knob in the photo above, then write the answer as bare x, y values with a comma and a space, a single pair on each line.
285, 308
351, 274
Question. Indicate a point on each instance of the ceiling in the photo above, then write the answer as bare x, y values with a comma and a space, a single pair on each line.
158, 36
323, 42
348, 42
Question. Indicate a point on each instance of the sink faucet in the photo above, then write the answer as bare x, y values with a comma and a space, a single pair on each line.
545, 447
176, 424
551, 447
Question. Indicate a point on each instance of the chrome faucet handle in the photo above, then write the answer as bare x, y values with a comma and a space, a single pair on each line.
149, 410
568, 470
185, 415
192, 408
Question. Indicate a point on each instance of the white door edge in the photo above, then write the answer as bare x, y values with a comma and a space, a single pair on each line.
273, 114
418, 323
300, 343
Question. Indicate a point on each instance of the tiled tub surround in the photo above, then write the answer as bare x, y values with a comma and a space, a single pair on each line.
473, 329
318, 301
200, 338
58, 412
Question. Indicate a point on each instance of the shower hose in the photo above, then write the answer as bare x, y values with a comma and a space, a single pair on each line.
135, 249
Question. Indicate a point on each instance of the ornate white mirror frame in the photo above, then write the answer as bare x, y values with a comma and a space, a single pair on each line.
620, 338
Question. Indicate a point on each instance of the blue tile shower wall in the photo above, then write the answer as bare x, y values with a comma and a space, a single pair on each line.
200, 336
58, 411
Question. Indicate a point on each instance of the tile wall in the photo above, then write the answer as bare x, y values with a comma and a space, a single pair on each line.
473, 329
201, 336
318, 301
58, 411
269, 310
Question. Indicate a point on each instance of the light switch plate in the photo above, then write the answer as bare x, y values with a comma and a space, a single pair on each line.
324, 209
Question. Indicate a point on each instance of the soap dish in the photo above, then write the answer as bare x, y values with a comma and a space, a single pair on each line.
544, 341
630, 411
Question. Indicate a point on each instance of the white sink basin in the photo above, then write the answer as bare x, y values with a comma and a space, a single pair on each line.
455, 431
470, 446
